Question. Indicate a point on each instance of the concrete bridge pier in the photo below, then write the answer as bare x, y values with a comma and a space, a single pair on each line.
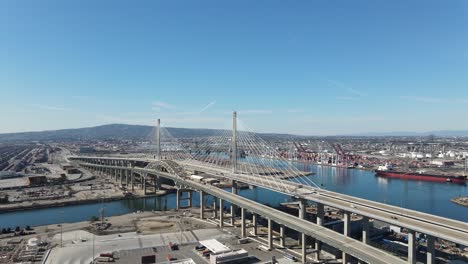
302, 215
304, 248
254, 224
221, 212
202, 205
126, 178
346, 232
320, 221
179, 198
411, 247
132, 180
270, 234
143, 177
215, 215
365, 232
430, 255
243, 230
234, 207
282, 236
157, 183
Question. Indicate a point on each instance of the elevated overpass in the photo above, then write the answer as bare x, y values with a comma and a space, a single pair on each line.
414, 221
348, 245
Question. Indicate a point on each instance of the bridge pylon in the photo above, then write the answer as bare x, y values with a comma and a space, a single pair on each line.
158, 139
234, 142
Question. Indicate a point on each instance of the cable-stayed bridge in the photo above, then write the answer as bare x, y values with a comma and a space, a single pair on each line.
243, 157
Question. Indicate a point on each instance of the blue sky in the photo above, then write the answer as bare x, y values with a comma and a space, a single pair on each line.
306, 67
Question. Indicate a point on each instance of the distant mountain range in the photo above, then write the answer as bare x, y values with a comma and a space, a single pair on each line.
438, 133
116, 131
139, 132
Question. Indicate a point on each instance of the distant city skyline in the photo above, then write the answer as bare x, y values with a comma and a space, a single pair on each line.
306, 68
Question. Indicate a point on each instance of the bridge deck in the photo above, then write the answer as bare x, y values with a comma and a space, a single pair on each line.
349, 245
440, 227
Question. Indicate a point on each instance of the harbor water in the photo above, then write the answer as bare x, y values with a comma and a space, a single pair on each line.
429, 197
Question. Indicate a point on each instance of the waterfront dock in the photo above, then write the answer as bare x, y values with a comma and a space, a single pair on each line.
460, 200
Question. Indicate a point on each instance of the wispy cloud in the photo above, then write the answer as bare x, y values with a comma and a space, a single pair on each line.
347, 98
356, 93
208, 106
50, 107
82, 97
423, 99
256, 111
295, 110
439, 100
159, 105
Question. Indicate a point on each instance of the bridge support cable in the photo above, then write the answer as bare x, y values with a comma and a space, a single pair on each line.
255, 150
276, 160
208, 151
254, 170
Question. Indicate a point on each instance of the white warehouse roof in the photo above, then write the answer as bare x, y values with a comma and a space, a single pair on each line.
215, 246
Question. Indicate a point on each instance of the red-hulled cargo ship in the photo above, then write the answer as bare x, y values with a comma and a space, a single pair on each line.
421, 176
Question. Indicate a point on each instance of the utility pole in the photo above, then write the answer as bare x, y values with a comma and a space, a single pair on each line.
234, 142
158, 140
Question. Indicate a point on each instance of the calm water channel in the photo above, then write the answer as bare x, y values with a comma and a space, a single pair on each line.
427, 197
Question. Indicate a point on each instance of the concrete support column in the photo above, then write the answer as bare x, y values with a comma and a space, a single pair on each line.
365, 233
320, 221
282, 236
132, 180
304, 248
158, 183
243, 233
144, 176
346, 232
202, 205
302, 214
365, 230
214, 208
233, 207
411, 247
178, 193
430, 255
221, 212
126, 178
189, 199
302, 209
121, 176
254, 223
270, 234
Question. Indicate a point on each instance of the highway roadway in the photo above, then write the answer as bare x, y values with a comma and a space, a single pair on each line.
440, 227
348, 245
444, 228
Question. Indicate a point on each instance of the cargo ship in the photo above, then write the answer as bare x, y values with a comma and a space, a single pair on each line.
387, 171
